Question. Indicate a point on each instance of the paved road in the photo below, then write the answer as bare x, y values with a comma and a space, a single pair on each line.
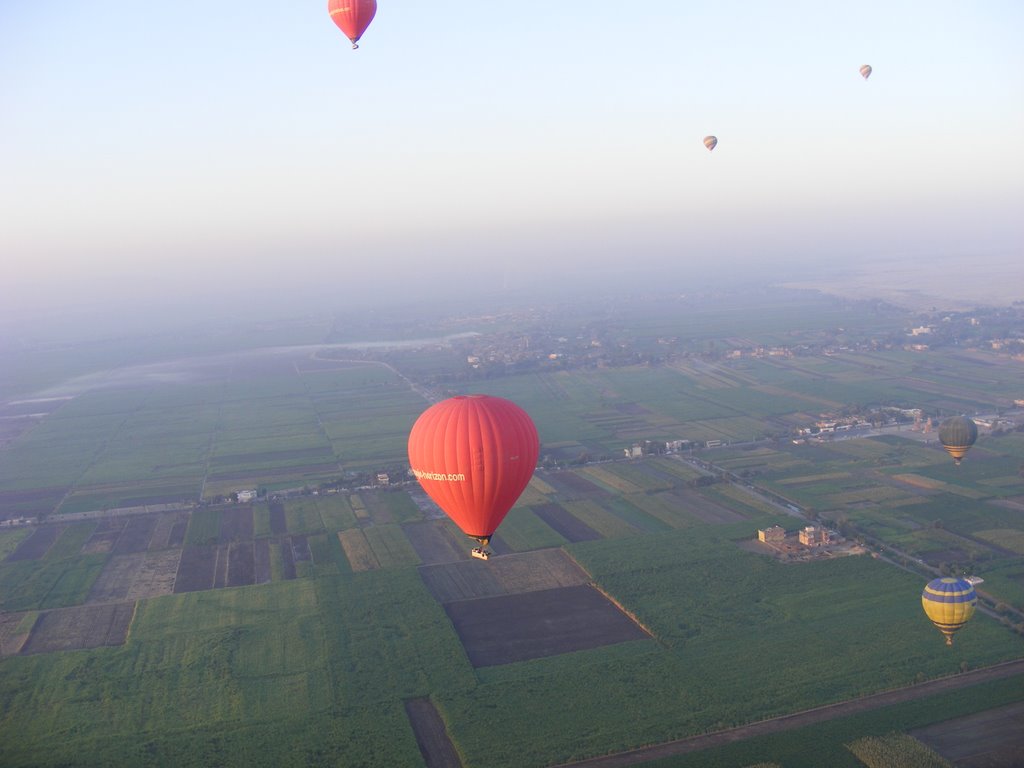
801, 719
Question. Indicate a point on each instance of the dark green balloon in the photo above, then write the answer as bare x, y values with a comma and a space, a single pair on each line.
957, 435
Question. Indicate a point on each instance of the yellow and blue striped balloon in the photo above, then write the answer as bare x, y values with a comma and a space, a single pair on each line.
949, 602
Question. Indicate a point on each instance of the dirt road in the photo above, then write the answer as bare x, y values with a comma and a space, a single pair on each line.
801, 719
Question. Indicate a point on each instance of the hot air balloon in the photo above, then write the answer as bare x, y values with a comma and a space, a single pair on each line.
352, 16
474, 455
710, 142
949, 602
865, 71
957, 435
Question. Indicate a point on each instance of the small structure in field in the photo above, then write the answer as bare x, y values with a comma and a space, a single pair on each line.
772, 534
813, 536
813, 542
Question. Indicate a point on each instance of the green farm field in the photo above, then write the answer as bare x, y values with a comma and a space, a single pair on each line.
9, 540
342, 651
905, 494
825, 743
252, 676
724, 622
213, 433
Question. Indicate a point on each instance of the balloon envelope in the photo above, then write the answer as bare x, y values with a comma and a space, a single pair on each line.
957, 435
474, 455
710, 142
949, 602
865, 71
352, 16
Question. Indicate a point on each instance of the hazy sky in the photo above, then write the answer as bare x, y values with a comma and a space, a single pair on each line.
174, 150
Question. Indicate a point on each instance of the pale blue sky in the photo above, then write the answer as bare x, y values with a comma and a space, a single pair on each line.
184, 145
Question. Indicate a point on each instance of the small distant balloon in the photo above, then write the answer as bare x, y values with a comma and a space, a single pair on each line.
352, 16
710, 142
865, 71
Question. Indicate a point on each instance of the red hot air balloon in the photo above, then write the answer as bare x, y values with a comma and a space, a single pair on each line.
474, 455
352, 16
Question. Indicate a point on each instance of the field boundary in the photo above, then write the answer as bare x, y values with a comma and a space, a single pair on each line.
611, 598
431, 734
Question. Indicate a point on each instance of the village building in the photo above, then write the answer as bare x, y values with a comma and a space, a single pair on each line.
247, 495
772, 534
813, 536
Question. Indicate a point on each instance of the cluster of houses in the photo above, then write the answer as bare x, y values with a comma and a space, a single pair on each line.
650, 447
826, 427
885, 416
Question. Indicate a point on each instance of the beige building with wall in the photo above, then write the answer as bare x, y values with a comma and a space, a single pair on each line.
813, 536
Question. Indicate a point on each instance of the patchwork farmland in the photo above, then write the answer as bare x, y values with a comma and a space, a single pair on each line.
146, 618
